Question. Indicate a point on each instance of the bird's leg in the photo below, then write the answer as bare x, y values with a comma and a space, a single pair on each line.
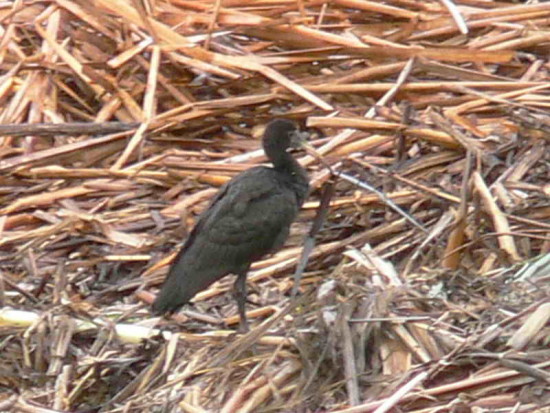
240, 297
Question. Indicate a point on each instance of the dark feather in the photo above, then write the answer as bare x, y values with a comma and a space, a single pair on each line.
248, 218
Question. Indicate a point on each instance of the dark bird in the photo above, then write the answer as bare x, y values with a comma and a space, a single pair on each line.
248, 218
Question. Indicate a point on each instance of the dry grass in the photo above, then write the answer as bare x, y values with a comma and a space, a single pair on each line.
118, 120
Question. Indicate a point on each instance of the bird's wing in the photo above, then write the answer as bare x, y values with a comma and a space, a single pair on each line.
248, 218
252, 209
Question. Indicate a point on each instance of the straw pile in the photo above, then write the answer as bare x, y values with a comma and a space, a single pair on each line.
118, 120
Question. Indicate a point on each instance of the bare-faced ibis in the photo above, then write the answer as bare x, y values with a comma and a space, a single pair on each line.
248, 218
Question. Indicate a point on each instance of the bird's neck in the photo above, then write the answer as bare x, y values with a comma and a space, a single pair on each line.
291, 168
299, 182
280, 160
286, 164
295, 175
283, 161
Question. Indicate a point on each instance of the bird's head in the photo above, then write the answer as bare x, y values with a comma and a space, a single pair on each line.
284, 134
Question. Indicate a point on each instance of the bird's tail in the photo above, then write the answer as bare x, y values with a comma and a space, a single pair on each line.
181, 285
172, 295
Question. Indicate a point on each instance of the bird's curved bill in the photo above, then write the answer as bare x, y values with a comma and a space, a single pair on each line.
299, 141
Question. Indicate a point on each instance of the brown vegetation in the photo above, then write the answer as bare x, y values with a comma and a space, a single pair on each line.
118, 120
